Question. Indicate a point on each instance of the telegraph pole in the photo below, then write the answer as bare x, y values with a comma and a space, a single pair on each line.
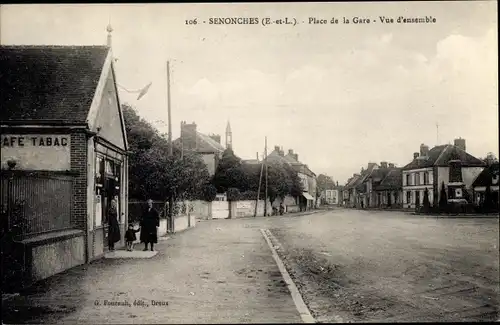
170, 153
258, 190
265, 162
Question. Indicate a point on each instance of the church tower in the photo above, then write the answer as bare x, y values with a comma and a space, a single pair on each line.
229, 136
109, 29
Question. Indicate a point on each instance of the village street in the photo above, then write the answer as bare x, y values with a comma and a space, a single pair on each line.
349, 265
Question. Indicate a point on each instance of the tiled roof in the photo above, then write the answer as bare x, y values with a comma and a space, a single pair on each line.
275, 156
485, 178
392, 181
205, 144
49, 83
441, 155
360, 184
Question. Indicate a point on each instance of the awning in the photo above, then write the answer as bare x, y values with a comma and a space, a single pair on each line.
307, 196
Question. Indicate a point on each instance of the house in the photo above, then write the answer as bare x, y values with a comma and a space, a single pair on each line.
209, 147
389, 192
349, 192
487, 178
382, 189
333, 196
446, 164
308, 178
362, 186
64, 155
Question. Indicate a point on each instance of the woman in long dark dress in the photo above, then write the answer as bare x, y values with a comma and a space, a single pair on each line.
114, 227
150, 220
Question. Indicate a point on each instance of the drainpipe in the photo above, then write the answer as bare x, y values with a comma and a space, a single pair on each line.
91, 136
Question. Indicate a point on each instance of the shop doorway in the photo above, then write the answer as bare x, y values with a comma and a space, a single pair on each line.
108, 188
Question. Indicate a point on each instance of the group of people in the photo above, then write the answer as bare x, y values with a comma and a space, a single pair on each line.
148, 225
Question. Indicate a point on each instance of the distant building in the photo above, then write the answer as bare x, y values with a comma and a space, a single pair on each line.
488, 178
308, 178
448, 164
208, 146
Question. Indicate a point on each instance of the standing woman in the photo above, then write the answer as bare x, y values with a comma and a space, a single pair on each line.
150, 220
114, 227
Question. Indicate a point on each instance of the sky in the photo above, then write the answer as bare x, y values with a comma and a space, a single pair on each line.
339, 95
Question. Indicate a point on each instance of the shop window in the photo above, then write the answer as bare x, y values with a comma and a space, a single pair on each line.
109, 167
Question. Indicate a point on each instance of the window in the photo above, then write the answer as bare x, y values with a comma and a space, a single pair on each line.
408, 196
417, 178
426, 178
408, 180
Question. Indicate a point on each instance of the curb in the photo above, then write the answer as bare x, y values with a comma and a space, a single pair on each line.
304, 312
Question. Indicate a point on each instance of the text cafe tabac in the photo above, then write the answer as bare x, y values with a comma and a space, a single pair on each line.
35, 141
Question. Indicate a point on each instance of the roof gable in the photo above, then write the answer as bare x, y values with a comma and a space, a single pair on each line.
485, 178
108, 111
441, 156
393, 180
51, 84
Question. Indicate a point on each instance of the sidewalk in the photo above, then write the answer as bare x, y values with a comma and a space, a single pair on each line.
218, 272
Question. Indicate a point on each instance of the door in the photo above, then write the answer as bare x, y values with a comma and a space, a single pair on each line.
417, 198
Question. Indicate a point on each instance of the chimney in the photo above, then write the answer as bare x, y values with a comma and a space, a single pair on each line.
257, 155
424, 150
188, 136
415, 155
290, 152
460, 143
277, 149
383, 164
337, 183
391, 165
371, 165
296, 156
281, 152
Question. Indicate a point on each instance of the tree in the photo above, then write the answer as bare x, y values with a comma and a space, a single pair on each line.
324, 182
233, 194
426, 203
443, 199
153, 173
209, 192
490, 159
229, 173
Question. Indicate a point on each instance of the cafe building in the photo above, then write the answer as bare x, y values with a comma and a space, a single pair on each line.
63, 156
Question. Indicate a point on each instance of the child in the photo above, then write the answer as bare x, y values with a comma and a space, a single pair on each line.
130, 237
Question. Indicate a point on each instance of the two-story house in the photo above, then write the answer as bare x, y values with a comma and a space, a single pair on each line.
333, 195
209, 147
380, 193
307, 177
447, 164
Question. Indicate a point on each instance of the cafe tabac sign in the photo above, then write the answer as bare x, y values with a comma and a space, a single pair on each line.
37, 151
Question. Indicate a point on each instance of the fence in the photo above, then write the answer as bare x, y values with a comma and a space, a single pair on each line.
38, 203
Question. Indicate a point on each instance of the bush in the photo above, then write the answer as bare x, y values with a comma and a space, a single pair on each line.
209, 193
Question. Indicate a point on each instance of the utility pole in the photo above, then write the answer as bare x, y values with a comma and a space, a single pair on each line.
170, 153
437, 134
265, 162
258, 190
